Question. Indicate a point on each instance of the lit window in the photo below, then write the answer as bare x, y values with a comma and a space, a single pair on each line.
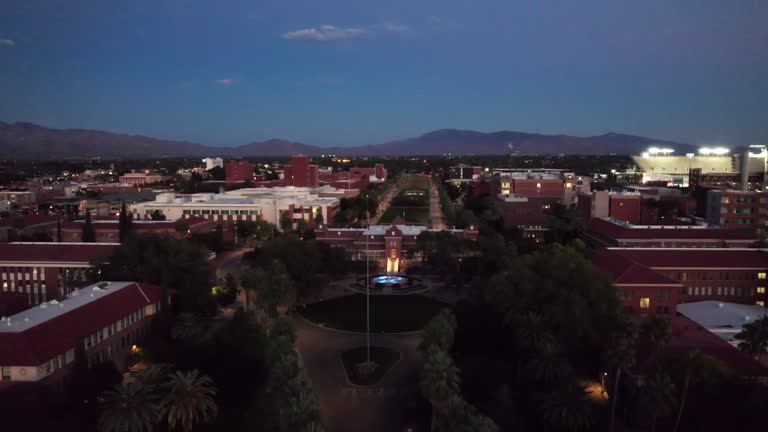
645, 302
761, 275
538, 185
760, 290
760, 303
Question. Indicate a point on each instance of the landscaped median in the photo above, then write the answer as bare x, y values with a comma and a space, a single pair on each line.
356, 359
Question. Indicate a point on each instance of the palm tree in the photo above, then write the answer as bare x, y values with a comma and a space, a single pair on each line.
621, 356
754, 337
532, 332
658, 396
568, 408
547, 367
439, 377
461, 416
129, 407
301, 411
693, 361
253, 280
189, 400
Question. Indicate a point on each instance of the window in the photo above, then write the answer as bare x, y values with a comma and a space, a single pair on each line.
6, 373
205, 212
186, 211
760, 303
761, 275
645, 302
760, 290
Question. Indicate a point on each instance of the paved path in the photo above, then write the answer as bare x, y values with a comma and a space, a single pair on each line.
347, 408
385, 200
436, 219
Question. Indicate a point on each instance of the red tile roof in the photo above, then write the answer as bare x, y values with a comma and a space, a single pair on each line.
41, 343
695, 258
687, 336
55, 252
615, 231
625, 271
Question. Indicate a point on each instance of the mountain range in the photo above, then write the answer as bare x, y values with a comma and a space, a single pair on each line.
23, 140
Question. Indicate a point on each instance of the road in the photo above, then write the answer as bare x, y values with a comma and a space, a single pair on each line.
348, 408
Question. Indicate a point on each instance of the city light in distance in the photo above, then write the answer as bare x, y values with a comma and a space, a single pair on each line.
713, 151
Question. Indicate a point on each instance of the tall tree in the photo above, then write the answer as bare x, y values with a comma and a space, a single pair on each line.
694, 361
253, 280
656, 330
124, 223
286, 224
319, 218
566, 408
89, 235
189, 400
129, 407
621, 356
657, 396
439, 377
754, 337
58, 228
439, 331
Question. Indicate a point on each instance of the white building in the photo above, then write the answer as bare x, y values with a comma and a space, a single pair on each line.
211, 163
250, 204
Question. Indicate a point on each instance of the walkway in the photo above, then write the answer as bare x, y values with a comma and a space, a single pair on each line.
436, 219
385, 200
348, 408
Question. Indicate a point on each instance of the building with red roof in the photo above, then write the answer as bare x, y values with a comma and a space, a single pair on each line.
39, 272
108, 230
609, 232
16, 227
107, 319
655, 280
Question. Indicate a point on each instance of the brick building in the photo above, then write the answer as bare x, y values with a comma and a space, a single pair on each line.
107, 319
655, 280
238, 171
139, 179
737, 209
608, 232
108, 231
39, 272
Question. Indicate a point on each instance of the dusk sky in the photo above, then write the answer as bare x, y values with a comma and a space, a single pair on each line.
361, 72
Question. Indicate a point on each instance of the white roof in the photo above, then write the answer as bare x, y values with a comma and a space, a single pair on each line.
49, 310
722, 318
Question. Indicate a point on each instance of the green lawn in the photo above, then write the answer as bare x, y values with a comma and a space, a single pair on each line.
413, 215
411, 181
389, 313
385, 358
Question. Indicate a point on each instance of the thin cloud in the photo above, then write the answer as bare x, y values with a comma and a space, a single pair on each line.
326, 33
7, 42
225, 82
394, 27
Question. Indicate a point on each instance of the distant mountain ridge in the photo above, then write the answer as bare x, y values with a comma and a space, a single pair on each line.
31, 141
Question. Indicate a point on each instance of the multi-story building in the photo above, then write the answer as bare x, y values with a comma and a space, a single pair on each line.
738, 209
211, 163
108, 231
41, 272
18, 198
385, 245
108, 320
249, 204
140, 179
655, 280
238, 171
20, 227
608, 232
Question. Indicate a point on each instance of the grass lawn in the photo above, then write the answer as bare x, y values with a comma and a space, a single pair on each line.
386, 358
389, 313
413, 215
411, 181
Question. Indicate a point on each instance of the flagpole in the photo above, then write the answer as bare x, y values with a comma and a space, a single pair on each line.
367, 286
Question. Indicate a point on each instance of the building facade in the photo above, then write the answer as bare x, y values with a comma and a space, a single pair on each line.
238, 171
40, 272
108, 231
387, 246
139, 179
107, 319
738, 209
608, 232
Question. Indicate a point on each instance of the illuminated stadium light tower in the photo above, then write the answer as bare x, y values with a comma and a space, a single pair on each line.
760, 151
655, 151
714, 151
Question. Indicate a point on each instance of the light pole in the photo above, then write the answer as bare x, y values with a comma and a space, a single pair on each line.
367, 288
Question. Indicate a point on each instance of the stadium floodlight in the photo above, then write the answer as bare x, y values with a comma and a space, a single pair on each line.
655, 150
713, 151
